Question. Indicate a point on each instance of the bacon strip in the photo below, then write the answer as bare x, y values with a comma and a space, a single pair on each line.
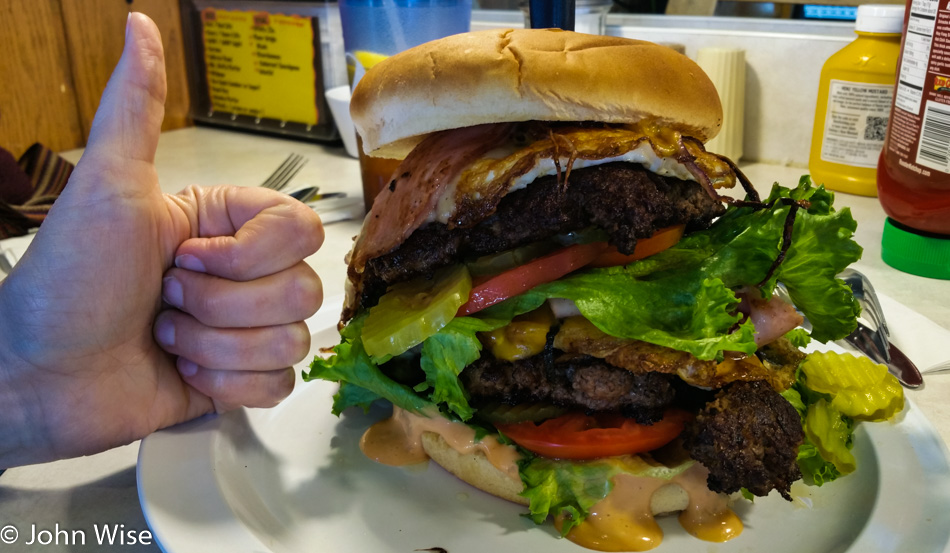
405, 204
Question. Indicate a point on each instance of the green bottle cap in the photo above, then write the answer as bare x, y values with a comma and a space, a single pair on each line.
915, 252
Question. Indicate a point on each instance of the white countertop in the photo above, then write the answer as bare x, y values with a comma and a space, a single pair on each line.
101, 489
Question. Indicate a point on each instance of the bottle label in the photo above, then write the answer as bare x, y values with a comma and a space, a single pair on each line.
920, 128
856, 122
916, 54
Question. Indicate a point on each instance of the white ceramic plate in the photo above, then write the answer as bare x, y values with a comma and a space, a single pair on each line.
293, 479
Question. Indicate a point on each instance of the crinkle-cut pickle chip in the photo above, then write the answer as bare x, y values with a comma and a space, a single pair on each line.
862, 389
830, 433
410, 312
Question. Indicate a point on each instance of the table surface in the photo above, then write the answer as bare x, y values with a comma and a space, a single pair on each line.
101, 489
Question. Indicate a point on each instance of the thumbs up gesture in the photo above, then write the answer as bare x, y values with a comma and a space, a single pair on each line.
133, 310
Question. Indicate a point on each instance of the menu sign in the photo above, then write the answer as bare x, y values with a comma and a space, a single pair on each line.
260, 64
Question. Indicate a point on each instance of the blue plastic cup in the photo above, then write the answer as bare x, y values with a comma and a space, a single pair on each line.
374, 29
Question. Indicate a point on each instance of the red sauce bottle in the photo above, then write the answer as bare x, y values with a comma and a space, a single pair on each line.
913, 175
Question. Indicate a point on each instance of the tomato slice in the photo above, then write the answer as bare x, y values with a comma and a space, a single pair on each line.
661, 240
544, 269
579, 436
553, 266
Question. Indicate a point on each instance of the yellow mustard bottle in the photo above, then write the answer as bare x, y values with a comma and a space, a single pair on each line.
854, 103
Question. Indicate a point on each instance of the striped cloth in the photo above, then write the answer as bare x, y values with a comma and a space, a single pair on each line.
28, 188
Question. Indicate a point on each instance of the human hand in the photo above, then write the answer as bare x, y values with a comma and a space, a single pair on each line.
80, 370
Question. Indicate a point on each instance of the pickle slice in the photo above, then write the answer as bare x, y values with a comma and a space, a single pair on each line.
862, 389
499, 413
410, 312
499, 262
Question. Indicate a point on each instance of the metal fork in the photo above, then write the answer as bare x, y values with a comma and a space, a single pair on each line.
880, 349
871, 308
874, 343
285, 173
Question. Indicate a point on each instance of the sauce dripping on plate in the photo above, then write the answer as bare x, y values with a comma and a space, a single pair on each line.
397, 441
622, 521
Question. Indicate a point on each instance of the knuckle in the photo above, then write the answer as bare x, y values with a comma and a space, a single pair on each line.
308, 229
279, 385
240, 263
284, 385
207, 306
203, 298
262, 389
204, 348
270, 388
298, 342
308, 291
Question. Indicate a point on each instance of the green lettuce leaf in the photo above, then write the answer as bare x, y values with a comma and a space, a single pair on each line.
680, 312
742, 245
795, 398
564, 488
570, 488
815, 469
799, 337
682, 297
361, 381
822, 247
445, 354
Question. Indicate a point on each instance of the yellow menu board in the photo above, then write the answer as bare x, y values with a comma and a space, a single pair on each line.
260, 64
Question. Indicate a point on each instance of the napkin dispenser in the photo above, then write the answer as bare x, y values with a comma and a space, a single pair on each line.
264, 65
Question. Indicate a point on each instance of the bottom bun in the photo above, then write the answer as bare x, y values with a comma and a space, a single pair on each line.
475, 470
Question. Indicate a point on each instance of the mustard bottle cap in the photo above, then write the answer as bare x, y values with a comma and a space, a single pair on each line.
879, 18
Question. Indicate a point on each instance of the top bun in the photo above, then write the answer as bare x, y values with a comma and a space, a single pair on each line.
509, 75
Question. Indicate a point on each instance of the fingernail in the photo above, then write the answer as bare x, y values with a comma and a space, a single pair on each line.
186, 367
190, 262
172, 292
128, 21
165, 332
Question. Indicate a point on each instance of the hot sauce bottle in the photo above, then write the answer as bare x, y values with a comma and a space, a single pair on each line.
913, 175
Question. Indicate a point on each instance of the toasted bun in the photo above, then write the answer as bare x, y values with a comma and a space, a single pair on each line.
532, 74
475, 470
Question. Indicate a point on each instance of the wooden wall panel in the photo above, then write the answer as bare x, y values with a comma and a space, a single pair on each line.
37, 98
95, 33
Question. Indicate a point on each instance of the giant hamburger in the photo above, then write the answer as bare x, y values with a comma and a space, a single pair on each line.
560, 304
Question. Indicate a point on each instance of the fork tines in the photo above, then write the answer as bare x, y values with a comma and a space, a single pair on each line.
285, 173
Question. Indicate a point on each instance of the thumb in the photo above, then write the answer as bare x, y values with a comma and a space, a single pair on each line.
129, 119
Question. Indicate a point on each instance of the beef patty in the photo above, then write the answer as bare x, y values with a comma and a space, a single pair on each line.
748, 437
573, 381
625, 200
